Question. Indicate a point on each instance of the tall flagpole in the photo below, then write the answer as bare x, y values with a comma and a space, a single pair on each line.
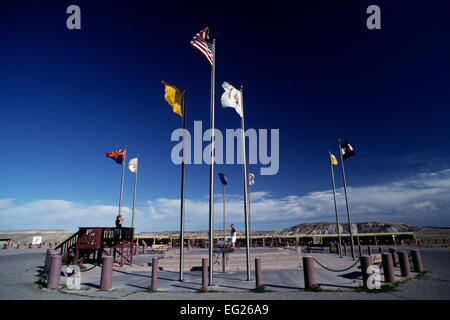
121, 185
335, 207
211, 169
244, 167
182, 192
346, 200
134, 196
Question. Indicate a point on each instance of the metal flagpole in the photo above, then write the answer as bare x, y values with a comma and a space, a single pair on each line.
121, 185
182, 192
335, 207
249, 216
346, 200
244, 167
224, 225
211, 169
134, 196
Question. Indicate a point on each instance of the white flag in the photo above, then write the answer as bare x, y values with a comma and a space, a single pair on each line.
132, 165
251, 179
231, 98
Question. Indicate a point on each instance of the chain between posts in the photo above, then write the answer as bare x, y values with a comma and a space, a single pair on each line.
332, 270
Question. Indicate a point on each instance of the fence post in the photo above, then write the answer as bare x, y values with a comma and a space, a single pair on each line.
365, 261
154, 274
107, 271
258, 274
417, 260
404, 264
388, 267
309, 272
54, 273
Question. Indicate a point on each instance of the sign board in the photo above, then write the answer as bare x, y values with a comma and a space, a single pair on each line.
37, 240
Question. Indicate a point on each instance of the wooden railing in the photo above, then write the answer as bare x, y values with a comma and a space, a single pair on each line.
104, 235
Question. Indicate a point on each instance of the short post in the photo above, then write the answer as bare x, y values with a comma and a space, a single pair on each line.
145, 248
365, 261
47, 259
404, 264
136, 249
394, 253
107, 271
309, 272
360, 250
417, 260
54, 273
258, 275
388, 267
154, 274
204, 273
369, 250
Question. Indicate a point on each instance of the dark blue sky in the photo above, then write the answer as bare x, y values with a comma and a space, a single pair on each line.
310, 69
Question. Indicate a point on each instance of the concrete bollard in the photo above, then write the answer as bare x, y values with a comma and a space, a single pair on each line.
394, 253
107, 271
205, 273
258, 274
404, 264
136, 249
54, 273
145, 248
309, 272
417, 260
155, 274
388, 267
369, 250
365, 261
47, 259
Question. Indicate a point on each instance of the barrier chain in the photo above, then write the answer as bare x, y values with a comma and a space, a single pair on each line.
332, 270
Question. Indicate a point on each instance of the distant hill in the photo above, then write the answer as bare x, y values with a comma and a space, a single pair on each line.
318, 228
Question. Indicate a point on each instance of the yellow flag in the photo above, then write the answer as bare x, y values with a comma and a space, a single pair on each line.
173, 97
333, 160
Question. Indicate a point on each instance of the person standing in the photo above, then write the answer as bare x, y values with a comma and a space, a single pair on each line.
233, 236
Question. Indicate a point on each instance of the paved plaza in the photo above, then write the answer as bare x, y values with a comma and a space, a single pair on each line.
282, 277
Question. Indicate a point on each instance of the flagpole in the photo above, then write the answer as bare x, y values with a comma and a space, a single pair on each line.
244, 167
211, 169
335, 207
182, 192
346, 200
134, 196
249, 215
121, 185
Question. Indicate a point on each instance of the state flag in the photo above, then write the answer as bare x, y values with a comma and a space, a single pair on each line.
231, 98
117, 155
346, 150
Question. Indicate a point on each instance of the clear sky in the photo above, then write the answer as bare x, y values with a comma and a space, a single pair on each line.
311, 69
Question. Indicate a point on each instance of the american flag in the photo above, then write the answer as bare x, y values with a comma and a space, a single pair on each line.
202, 43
